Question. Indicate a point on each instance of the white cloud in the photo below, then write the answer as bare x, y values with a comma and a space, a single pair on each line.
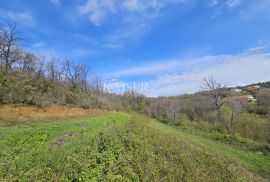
140, 5
169, 66
257, 49
261, 47
99, 10
132, 30
130, 19
24, 18
248, 10
236, 70
233, 3
133, 5
56, 2
185, 76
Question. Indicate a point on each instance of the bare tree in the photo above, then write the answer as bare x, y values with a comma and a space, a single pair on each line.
70, 73
237, 107
28, 62
82, 70
97, 85
8, 40
175, 108
40, 67
53, 73
215, 93
76, 75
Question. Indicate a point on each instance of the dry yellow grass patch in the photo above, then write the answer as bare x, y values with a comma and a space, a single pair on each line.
24, 114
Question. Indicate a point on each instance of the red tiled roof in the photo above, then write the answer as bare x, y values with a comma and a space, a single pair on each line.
241, 97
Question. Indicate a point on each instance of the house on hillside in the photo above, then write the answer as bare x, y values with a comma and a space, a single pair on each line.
237, 90
253, 87
240, 98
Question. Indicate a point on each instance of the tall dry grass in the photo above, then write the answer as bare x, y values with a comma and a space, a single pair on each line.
17, 114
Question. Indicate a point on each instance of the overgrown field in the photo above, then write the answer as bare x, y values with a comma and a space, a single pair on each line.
118, 146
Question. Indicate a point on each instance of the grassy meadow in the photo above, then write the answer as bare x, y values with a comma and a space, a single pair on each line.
119, 146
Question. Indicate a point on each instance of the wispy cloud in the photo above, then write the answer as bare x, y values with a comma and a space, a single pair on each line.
246, 10
99, 10
141, 5
23, 17
256, 10
236, 70
261, 47
56, 2
172, 66
185, 76
132, 30
258, 48
233, 3
41, 48
130, 18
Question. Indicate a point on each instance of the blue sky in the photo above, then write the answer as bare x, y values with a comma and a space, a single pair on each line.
170, 45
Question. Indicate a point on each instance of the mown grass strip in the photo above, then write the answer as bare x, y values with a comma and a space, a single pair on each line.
256, 162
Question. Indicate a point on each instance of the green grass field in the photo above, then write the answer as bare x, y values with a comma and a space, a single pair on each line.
256, 162
117, 146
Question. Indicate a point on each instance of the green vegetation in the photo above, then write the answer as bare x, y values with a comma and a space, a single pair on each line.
42, 151
247, 125
118, 146
256, 161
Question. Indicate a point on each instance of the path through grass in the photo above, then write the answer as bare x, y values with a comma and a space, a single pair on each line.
256, 162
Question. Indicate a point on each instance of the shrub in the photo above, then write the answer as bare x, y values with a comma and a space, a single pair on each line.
198, 126
182, 119
252, 126
258, 109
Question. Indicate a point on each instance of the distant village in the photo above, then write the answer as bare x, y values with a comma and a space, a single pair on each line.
244, 94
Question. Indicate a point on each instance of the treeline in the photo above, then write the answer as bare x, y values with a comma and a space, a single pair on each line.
26, 78
211, 111
30, 79
198, 112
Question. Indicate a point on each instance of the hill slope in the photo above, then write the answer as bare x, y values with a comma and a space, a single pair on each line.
117, 146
